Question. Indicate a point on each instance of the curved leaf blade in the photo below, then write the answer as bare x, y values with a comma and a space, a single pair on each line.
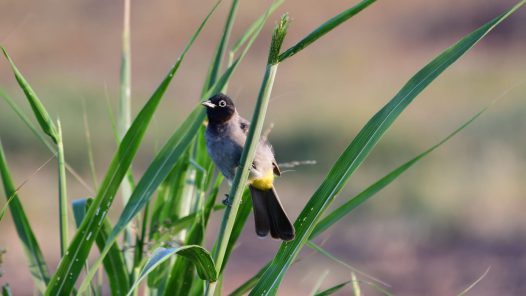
30, 246
196, 254
40, 112
370, 191
325, 28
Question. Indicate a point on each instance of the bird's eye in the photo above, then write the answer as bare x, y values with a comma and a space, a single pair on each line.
222, 103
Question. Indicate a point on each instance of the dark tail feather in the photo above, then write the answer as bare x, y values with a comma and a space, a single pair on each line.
269, 215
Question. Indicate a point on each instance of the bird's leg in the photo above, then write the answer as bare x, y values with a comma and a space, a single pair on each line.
227, 202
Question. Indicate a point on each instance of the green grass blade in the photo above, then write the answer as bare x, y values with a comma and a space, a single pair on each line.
358, 150
26, 121
332, 290
253, 28
215, 66
249, 151
6, 291
465, 291
38, 109
114, 263
5, 207
62, 282
40, 136
370, 191
62, 193
37, 264
124, 120
250, 283
196, 254
89, 146
241, 218
325, 253
325, 28
319, 282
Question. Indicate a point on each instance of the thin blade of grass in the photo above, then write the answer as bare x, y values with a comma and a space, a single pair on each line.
114, 263
89, 146
319, 282
333, 290
325, 253
36, 105
370, 191
481, 277
5, 207
62, 192
358, 150
124, 121
249, 150
196, 254
215, 66
255, 25
30, 246
6, 291
325, 28
41, 137
26, 120
241, 218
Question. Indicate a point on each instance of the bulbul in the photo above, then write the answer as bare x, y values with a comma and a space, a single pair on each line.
225, 136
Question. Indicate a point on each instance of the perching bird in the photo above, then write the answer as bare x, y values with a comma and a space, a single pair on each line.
225, 136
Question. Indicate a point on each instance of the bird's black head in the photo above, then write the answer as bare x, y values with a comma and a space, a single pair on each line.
219, 108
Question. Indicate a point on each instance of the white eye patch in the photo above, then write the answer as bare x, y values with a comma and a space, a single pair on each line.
222, 103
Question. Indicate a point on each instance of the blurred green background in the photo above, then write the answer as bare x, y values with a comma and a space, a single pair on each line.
432, 232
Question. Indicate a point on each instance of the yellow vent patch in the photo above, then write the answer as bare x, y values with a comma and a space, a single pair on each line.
264, 183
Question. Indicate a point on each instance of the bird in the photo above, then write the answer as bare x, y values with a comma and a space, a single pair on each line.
225, 137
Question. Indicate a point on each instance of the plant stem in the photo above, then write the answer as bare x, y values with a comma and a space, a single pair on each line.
62, 193
239, 183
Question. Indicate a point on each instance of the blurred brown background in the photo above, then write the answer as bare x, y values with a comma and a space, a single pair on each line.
432, 232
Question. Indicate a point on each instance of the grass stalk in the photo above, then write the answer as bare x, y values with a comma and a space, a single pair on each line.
249, 151
124, 122
62, 192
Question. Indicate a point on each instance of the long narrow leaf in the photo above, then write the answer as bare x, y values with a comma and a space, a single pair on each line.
249, 150
114, 263
370, 191
255, 25
6, 291
40, 112
358, 150
37, 264
62, 192
196, 254
215, 66
332, 290
325, 28
26, 120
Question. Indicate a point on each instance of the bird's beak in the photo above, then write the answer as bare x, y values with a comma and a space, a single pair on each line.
208, 104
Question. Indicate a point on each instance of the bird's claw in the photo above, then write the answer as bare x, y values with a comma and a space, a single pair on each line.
227, 201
